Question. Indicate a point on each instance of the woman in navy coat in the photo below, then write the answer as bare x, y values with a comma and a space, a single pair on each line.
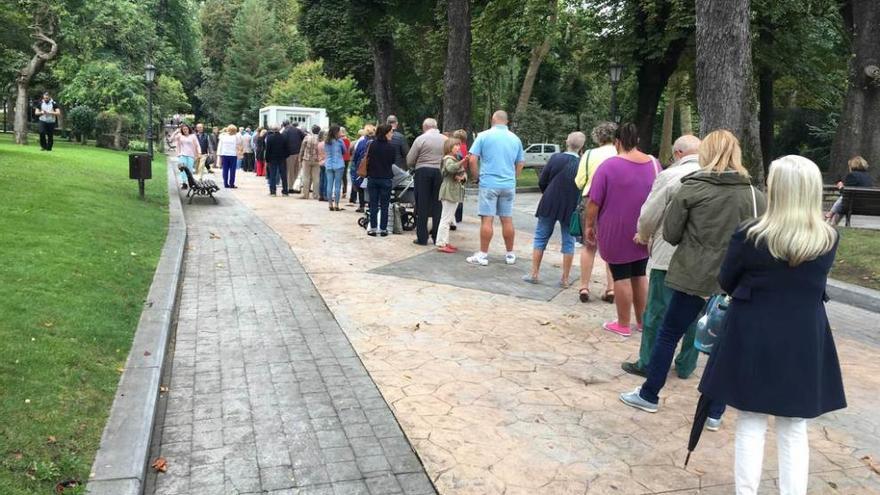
776, 356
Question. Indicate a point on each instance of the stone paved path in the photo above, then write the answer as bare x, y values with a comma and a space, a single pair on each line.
266, 393
506, 395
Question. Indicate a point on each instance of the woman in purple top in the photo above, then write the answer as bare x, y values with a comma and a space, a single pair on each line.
619, 187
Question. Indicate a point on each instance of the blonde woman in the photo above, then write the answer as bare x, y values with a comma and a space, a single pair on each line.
228, 149
777, 355
699, 220
857, 177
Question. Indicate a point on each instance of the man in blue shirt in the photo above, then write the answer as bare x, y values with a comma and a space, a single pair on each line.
499, 155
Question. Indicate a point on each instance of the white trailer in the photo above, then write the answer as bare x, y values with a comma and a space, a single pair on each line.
306, 117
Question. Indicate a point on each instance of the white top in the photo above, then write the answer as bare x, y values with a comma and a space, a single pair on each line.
227, 144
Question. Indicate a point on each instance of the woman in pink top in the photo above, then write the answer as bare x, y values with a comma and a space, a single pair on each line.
187, 146
619, 188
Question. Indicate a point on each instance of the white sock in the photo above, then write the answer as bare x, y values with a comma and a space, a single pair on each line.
481, 254
511, 253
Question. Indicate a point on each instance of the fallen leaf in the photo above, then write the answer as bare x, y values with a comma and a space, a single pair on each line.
148, 353
134, 253
544, 323
27, 401
48, 324
214, 236
418, 326
51, 439
871, 464
163, 389
160, 464
407, 377
60, 487
120, 369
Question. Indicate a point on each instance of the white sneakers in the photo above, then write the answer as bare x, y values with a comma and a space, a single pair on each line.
482, 259
478, 258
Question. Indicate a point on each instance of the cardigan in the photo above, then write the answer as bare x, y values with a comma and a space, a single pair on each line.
561, 194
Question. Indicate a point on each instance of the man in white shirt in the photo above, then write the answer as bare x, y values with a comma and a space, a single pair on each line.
48, 113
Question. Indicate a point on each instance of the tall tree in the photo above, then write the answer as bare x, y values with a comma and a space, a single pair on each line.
725, 98
545, 14
255, 60
457, 75
45, 49
859, 130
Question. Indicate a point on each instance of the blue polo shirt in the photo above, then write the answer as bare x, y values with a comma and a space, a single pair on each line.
499, 151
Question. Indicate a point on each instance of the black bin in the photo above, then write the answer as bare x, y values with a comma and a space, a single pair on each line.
140, 166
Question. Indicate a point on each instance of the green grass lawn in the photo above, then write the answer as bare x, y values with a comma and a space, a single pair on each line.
857, 257
77, 254
527, 178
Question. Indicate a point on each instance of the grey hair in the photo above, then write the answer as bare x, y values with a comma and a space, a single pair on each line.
687, 144
575, 141
603, 133
274, 127
429, 123
392, 119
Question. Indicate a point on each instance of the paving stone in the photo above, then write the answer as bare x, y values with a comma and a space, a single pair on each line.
415, 484
267, 394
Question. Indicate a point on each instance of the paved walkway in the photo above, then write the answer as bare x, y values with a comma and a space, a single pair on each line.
266, 393
505, 393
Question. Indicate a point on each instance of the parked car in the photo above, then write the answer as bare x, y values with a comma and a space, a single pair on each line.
537, 155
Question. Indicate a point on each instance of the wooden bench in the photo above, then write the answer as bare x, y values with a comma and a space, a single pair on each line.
860, 201
198, 187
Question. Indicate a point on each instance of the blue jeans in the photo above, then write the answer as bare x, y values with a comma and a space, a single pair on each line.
322, 183
334, 184
543, 231
682, 311
380, 195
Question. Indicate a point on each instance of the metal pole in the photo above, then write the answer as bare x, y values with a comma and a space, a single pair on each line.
141, 183
149, 126
614, 102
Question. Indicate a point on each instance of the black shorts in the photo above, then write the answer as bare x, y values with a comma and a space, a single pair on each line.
632, 269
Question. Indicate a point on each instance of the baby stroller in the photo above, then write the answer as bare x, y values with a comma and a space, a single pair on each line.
402, 207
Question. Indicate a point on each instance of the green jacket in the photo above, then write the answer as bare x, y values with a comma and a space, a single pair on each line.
700, 220
450, 189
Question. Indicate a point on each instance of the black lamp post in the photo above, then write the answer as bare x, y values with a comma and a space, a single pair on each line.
615, 71
150, 76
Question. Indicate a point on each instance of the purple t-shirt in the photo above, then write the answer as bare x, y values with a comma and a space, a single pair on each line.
619, 187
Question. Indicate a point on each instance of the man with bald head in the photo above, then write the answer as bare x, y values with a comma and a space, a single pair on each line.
650, 232
498, 154
426, 155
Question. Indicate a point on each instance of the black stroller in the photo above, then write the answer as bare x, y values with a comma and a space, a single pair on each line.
402, 206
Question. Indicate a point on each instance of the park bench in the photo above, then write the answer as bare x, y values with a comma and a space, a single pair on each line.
860, 201
198, 187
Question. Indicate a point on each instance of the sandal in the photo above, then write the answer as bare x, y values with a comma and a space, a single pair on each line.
608, 296
584, 294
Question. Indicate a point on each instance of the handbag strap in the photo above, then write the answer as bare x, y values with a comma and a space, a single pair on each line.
754, 202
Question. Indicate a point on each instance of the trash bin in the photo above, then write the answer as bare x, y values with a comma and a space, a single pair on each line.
140, 166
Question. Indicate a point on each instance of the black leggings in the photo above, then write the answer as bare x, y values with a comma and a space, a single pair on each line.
427, 191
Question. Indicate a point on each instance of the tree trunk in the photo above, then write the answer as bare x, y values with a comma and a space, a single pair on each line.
457, 76
766, 115
117, 134
536, 58
383, 63
684, 116
725, 97
44, 28
666, 136
859, 129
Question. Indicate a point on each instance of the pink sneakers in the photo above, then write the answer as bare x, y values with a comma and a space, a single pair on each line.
614, 327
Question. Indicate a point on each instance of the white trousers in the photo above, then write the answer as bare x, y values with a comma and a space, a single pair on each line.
447, 218
792, 446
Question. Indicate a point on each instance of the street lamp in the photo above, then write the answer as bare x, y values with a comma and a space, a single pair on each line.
150, 76
615, 71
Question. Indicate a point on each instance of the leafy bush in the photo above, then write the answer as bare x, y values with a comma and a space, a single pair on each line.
110, 130
82, 119
137, 145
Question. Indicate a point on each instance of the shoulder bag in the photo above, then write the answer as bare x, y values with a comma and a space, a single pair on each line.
575, 224
710, 326
365, 161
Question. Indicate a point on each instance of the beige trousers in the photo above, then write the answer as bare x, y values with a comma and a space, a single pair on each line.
447, 218
292, 171
311, 175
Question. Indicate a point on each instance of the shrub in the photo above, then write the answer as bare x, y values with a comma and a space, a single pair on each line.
82, 119
137, 145
110, 128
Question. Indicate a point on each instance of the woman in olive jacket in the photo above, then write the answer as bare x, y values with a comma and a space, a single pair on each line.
700, 220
